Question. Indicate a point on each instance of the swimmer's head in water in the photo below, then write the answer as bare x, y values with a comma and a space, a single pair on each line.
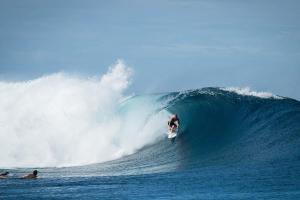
35, 172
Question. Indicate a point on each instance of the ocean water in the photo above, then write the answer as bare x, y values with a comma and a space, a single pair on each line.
90, 141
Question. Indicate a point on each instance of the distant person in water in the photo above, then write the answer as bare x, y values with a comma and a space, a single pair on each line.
4, 175
33, 175
173, 123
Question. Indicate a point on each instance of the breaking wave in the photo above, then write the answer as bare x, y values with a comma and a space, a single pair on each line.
60, 120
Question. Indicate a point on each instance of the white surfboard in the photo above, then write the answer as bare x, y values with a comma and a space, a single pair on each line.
172, 134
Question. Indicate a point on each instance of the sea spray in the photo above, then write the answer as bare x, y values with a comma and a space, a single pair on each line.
61, 120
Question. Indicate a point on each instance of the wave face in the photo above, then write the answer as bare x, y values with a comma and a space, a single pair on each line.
225, 127
219, 128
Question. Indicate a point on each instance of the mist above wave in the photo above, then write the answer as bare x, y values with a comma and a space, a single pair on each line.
60, 120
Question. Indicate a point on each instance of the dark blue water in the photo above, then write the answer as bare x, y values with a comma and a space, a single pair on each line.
229, 147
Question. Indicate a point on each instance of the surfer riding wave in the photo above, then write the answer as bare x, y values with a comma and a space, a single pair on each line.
173, 123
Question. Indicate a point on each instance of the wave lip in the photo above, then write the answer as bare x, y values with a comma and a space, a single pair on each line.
246, 91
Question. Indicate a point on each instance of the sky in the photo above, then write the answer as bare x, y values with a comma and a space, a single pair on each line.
171, 44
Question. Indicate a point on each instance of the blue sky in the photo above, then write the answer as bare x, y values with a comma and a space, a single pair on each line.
172, 45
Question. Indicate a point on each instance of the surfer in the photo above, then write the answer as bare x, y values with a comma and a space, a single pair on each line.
32, 175
4, 175
173, 123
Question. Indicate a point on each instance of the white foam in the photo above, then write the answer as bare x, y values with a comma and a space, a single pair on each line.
246, 91
59, 120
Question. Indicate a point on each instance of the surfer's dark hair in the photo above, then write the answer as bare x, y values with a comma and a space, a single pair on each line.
35, 172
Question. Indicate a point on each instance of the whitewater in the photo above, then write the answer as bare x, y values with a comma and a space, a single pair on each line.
62, 120
91, 139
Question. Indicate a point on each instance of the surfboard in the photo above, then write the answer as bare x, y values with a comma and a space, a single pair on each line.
172, 134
